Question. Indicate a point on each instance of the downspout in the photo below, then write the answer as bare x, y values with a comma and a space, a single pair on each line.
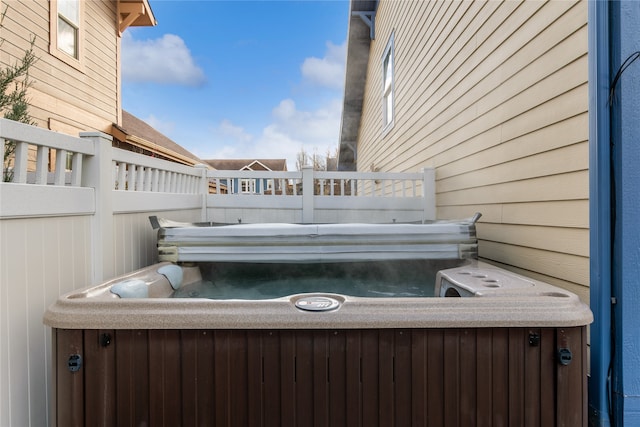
600, 405
614, 108
624, 51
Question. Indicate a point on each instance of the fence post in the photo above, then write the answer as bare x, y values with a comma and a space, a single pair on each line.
307, 194
204, 190
429, 193
97, 173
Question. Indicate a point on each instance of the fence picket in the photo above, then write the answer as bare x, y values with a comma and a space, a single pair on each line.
42, 162
76, 169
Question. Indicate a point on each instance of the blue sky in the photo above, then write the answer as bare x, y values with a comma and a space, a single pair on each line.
240, 79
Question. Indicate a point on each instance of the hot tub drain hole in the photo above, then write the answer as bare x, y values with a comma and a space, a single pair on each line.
491, 283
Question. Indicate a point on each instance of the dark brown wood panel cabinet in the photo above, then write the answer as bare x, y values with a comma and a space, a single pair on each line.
372, 377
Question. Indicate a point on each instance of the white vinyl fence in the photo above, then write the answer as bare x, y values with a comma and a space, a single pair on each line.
86, 220
310, 196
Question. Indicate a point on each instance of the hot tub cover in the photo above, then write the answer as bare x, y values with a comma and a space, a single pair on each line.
317, 242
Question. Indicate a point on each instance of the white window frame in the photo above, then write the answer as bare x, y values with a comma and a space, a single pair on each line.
247, 186
76, 60
388, 85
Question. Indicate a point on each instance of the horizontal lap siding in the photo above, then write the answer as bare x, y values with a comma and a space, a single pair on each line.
83, 99
494, 96
389, 377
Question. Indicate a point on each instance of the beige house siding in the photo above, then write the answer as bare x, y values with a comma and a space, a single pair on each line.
84, 97
494, 96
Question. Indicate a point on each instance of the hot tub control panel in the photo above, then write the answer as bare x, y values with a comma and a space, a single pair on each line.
317, 303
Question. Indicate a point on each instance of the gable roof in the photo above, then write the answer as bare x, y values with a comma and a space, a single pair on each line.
139, 133
248, 164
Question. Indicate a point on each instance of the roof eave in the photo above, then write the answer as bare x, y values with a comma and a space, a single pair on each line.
121, 134
135, 13
358, 45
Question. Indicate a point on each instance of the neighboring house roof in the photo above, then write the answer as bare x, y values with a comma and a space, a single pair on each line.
140, 134
248, 164
359, 38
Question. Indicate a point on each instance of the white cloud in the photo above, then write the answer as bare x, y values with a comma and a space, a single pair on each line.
166, 60
310, 127
162, 126
233, 132
290, 131
327, 71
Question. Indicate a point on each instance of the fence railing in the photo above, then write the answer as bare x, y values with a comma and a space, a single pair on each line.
85, 175
43, 157
325, 183
316, 196
137, 172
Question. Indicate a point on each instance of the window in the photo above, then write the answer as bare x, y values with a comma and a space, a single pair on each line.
66, 31
248, 186
68, 26
387, 85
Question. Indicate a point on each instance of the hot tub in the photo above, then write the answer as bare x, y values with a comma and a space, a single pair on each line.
156, 347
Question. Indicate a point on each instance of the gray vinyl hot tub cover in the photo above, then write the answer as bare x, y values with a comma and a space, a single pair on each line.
317, 242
